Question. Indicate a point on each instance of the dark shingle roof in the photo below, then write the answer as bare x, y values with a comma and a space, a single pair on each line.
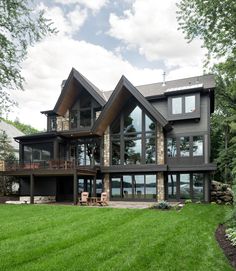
156, 89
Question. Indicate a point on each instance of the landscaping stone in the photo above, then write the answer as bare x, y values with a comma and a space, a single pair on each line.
221, 193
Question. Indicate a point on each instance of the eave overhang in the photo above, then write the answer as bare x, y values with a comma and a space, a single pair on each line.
123, 91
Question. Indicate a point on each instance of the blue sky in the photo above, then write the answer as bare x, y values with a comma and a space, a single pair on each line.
104, 39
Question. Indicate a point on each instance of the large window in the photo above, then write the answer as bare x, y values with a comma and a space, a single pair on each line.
88, 152
133, 137
84, 112
185, 146
182, 186
136, 186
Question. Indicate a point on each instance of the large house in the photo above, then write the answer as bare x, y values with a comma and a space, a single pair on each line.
143, 143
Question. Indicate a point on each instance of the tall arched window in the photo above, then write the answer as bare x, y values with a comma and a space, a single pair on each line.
133, 137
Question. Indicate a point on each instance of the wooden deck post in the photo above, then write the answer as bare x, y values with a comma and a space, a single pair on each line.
31, 189
75, 188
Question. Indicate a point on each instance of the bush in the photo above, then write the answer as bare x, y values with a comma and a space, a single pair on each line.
162, 205
188, 201
231, 235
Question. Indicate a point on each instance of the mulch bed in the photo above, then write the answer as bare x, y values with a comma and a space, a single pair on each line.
229, 250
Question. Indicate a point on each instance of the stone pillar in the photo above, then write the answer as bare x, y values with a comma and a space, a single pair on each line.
106, 153
31, 189
106, 184
160, 146
106, 162
160, 186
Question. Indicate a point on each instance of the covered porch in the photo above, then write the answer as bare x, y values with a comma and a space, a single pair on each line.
62, 185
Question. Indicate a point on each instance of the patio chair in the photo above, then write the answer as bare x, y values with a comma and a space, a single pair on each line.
84, 198
104, 199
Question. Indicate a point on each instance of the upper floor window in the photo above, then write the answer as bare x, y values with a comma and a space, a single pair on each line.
171, 147
177, 105
190, 104
133, 137
185, 106
197, 146
84, 112
184, 146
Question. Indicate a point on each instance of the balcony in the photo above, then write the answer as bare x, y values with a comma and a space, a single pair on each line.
51, 165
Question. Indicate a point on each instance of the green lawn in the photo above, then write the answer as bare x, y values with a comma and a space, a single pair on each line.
44, 237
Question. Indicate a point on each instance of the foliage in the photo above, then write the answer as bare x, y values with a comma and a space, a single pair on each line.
214, 23
162, 205
44, 237
231, 235
24, 128
21, 25
211, 21
6, 154
6, 150
187, 201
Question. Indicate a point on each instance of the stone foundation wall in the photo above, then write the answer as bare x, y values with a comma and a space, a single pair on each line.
38, 199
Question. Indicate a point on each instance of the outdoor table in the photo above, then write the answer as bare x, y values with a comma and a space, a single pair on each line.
92, 200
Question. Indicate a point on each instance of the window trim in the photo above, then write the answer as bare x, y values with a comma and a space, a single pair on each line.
184, 115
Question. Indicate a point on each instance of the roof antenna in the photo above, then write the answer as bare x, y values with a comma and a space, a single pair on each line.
164, 79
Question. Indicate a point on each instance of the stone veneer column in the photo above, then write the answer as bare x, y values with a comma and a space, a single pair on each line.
160, 161
160, 146
160, 186
106, 161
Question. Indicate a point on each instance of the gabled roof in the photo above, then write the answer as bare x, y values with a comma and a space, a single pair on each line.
123, 91
71, 91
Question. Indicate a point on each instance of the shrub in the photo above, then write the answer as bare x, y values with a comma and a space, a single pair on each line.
162, 205
188, 201
231, 235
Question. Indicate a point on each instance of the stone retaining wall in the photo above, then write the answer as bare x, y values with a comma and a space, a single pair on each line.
221, 193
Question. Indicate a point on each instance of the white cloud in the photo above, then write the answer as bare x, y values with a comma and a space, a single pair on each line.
50, 61
151, 27
94, 5
68, 23
77, 17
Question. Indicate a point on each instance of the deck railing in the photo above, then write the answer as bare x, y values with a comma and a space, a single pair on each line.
36, 165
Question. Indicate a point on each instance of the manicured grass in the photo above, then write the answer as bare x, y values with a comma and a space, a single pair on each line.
79, 238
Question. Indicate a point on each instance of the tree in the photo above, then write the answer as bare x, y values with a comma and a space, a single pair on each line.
7, 155
211, 21
214, 23
21, 25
